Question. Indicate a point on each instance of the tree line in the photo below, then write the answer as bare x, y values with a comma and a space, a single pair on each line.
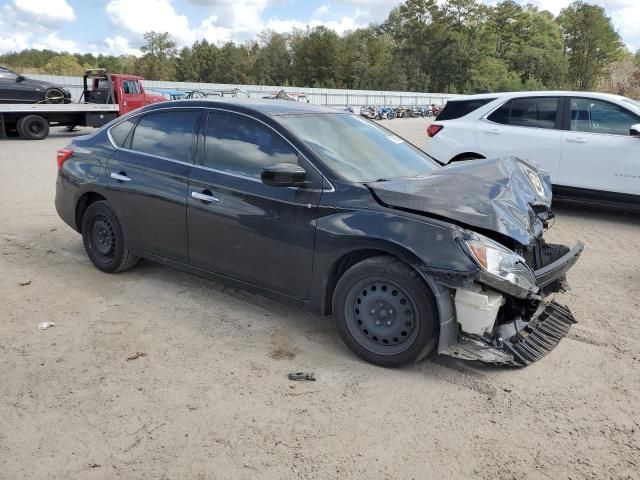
460, 46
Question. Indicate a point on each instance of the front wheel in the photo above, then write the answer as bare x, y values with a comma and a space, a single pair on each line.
385, 312
104, 240
54, 95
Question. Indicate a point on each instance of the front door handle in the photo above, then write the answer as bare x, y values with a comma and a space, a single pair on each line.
576, 139
205, 196
494, 131
121, 177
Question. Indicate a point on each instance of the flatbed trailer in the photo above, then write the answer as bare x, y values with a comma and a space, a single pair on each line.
32, 120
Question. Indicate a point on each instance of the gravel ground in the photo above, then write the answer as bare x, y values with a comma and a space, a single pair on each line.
211, 399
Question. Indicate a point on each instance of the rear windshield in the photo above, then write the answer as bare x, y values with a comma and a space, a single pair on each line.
459, 108
357, 149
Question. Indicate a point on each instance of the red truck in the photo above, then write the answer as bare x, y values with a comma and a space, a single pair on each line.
105, 96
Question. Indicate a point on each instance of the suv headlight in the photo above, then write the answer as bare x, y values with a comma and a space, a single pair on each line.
502, 266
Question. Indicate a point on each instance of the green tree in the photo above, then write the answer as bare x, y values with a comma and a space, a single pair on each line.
64, 65
272, 64
590, 43
159, 59
315, 58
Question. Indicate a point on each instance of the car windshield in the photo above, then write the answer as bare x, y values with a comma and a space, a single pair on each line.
357, 149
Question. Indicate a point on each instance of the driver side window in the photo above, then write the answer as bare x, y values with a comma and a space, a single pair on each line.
595, 116
240, 145
130, 87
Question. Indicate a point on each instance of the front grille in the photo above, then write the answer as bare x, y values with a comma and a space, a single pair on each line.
540, 336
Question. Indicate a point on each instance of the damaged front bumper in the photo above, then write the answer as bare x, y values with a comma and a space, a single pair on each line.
503, 324
537, 338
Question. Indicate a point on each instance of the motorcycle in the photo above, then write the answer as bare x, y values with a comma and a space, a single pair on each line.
386, 113
369, 112
402, 112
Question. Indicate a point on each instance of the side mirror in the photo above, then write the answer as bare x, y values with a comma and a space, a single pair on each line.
634, 131
283, 175
20, 78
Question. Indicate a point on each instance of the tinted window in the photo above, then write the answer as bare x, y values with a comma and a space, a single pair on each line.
527, 112
120, 132
243, 146
459, 108
595, 116
359, 150
167, 134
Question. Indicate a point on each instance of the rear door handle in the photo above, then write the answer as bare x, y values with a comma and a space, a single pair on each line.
205, 196
121, 177
576, 139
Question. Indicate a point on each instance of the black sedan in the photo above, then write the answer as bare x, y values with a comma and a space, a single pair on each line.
16, 88
334, 213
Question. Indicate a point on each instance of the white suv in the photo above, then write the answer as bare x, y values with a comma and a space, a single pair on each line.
588, 142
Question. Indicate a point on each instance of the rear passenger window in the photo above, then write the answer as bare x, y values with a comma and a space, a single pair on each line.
166, 134
537, 112
459, 108
242, 146
120, 132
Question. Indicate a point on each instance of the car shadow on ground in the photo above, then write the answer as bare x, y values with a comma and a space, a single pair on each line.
301, 323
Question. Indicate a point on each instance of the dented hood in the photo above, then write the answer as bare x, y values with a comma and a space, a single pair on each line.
505, 195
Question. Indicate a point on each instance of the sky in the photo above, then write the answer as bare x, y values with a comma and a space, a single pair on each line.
116, 26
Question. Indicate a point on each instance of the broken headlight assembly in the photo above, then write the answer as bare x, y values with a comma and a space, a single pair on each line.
501, 268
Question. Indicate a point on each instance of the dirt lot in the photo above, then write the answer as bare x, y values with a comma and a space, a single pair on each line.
211, 399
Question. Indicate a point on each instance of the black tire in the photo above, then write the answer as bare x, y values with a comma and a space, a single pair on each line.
385, 312
104, 239
54, 95
33, 127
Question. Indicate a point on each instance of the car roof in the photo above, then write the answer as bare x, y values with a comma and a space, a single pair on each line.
264, 106
539, 93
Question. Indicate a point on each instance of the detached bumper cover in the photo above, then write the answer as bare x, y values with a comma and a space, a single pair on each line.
540, 336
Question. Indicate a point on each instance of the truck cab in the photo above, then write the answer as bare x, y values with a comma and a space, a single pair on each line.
126, 91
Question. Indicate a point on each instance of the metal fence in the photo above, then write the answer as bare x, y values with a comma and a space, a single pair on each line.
332, 97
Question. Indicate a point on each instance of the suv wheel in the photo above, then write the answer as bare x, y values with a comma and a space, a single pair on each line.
104, 240
385, 312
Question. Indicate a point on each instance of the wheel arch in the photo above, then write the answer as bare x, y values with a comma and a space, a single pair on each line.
447, 328
348, 259
86, 199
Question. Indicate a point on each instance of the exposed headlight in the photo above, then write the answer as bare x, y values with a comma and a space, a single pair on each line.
502, 265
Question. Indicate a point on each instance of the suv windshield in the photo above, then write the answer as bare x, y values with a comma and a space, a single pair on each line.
357, 149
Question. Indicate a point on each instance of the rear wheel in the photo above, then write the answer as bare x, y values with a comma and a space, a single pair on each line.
33, 127
104, 240
385, 312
